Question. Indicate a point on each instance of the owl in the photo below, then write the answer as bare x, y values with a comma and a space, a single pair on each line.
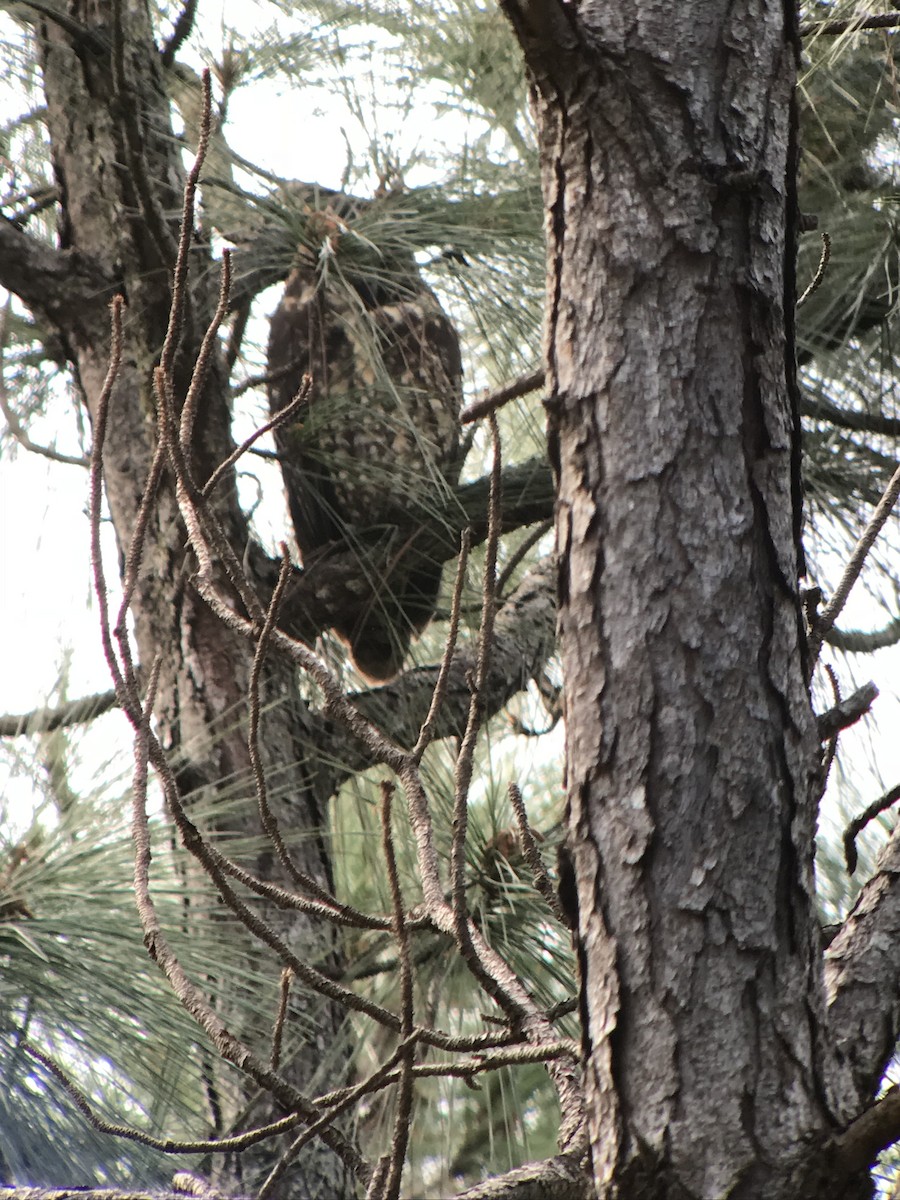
376, 441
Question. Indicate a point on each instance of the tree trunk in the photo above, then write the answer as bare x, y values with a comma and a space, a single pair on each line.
667, 161
119, 169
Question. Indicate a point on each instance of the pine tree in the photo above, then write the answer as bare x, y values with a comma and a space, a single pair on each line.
93, 211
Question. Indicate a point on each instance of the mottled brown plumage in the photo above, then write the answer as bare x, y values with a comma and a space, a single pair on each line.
378, 437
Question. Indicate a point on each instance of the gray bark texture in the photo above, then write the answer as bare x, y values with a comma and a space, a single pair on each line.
120, 178
712, 1065
119, 170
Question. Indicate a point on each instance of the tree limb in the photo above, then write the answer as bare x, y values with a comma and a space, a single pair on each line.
58, 284
523, 641
855, 421
560, 1178
46, 720
326, 592
858, 824
857, 1147
888, 20
861, 641
846, 712
862, 976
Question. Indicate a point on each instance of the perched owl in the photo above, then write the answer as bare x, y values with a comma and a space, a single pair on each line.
378, 437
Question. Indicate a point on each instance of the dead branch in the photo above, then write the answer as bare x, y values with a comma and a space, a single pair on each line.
878, 1127
62, 716
858, 824
862, 965
532, 854
491, 401
466, 757
846, 712
833, 609
890, 20
816, 282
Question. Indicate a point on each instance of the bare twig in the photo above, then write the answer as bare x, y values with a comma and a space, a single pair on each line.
179, 283
831, 749
532, 854
404, 1099
858, 824
816, 281
890, 20
167, 1145
276, 422
427, 732
126, 691
372, 1084
491, 401
204, 357
465, 759
520, 552
284, 995
854, 566
267, 817
135, 553
846, 712
254, 381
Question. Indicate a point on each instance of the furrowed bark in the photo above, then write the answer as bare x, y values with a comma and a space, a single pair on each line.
666, 146
120, 174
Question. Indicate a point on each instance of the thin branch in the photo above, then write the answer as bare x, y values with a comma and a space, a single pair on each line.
861, 641
890, 20
254, 381
516, 558
283, 415
404, 1099
466, 757
126, 692
284, 995
180, 33
831, 749
854, 566
47, 720
427, 732
204, 357
816, 281
372, 1084
491, 401
846, 712
532, 854
267, 818
854, 420
167, 1145
179, 282
858, 824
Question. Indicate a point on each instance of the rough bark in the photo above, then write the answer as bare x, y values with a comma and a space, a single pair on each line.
120, 180
120, 177
667, 165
